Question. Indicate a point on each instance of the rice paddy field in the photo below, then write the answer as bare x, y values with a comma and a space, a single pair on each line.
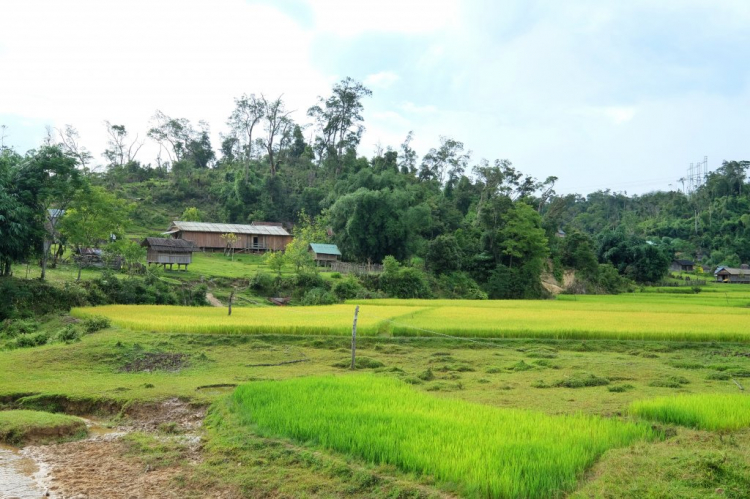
484, 451
706, 411
324, 320
637, 395
708, 316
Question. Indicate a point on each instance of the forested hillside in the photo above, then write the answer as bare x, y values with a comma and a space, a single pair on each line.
480, 226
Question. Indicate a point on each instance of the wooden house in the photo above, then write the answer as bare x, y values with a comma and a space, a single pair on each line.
168, 251
733, 275
324, 254
682, 265
256, 237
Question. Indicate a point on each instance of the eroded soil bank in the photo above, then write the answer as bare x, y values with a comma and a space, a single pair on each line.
105, 464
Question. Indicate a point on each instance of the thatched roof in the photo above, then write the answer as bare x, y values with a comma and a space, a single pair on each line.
169, 245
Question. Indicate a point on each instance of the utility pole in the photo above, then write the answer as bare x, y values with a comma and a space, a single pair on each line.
231, 297
354, 336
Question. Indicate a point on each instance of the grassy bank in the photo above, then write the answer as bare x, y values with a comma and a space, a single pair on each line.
23, 427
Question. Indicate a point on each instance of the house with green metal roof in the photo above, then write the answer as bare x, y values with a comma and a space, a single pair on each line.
324, 254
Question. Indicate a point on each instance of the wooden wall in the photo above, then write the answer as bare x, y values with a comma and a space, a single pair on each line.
213, 240
153, 256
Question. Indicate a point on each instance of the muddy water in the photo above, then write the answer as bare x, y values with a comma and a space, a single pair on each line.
17, 475
20, 475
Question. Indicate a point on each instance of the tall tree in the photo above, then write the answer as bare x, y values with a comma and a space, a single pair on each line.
120, 149
247, 113
21, 223
93, 215
278, 128
51, 180
445, 164
339, 120
522, 237
172, 135
70, 142
408, 158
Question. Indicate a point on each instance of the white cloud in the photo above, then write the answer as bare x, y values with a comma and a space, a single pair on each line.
81, 62
383, 79
615, 114
619, 114
351, 18
410, 107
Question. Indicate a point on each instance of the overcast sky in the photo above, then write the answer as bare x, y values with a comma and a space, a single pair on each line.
618, 94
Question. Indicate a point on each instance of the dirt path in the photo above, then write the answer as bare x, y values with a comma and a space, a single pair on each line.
213, 300
104, 466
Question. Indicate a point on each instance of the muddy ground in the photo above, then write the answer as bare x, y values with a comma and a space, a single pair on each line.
104, 465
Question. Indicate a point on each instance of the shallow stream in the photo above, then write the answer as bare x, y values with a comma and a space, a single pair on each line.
17, 480
20, 474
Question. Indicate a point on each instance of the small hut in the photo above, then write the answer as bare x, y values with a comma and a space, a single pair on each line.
682, 265
728, 274
169, 251
324, 254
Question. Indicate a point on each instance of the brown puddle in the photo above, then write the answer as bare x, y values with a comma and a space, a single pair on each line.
17, 475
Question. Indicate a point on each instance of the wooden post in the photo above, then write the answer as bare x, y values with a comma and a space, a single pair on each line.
354, 336
231, 297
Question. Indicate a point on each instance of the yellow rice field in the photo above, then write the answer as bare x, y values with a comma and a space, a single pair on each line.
322, 320
642, 316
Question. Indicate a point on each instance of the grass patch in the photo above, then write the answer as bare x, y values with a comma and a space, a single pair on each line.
22, 427
486, 451
359, 363
703, 411
579, 380
670, 382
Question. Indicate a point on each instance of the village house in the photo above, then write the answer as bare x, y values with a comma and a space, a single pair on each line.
324, 254
733, 275
682, 265
256, 237
168, 251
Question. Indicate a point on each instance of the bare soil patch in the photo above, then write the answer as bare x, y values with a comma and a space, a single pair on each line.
106, 467
157, 361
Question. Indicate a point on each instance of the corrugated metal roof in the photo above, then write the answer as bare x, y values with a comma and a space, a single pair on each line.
733, 271
264, 230
325, 249
169, 244
684, 262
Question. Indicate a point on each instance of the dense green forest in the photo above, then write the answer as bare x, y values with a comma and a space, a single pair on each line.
480, 228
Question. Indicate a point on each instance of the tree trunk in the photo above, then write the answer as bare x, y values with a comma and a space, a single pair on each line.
45, 255
80, 267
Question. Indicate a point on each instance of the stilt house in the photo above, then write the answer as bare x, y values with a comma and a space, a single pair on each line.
256, 237
168, 251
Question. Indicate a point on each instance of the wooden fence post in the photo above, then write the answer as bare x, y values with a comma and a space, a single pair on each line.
354, 336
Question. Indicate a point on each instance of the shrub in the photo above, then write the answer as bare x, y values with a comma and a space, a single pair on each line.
68, 334
318, 296
25, 298
460, 285
404, 282
335, 275
95, 323
31, 340
263, 283
14, 328
347, 288
582, 381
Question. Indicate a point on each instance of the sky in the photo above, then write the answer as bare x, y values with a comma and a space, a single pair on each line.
601, 94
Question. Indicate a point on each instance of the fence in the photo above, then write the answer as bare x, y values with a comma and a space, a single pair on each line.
356, 268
